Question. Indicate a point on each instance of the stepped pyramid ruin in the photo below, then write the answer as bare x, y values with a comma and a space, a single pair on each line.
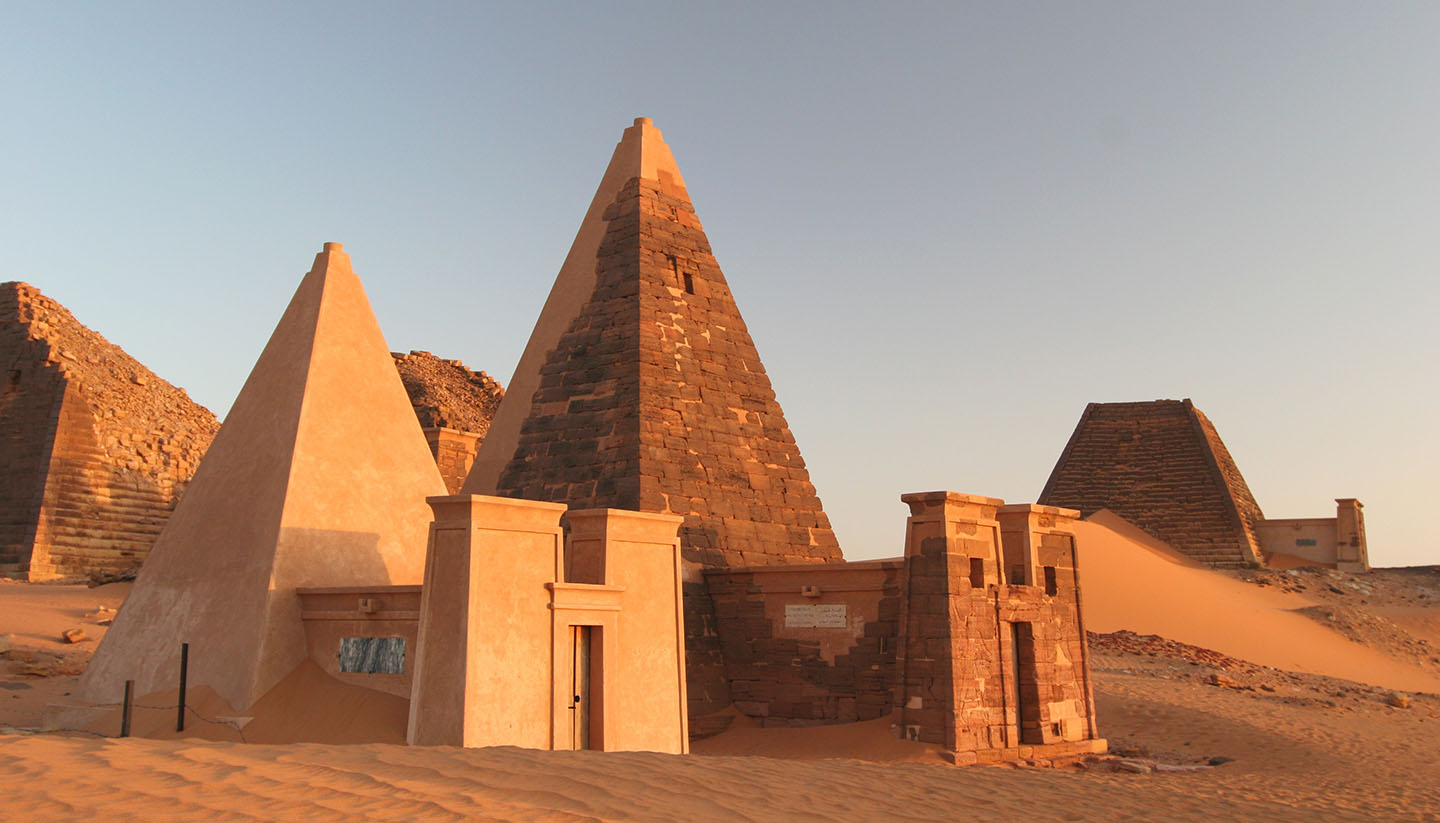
641, 389
318, 478
1162, 466
96, 448
454, 406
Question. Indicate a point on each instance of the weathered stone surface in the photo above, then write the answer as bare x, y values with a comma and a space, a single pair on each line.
789, 672
454, 406
1162, 466
447, 394
986, 659
97, 449
655, 399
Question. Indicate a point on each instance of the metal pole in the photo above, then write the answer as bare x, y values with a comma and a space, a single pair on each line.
125, 709
184, 664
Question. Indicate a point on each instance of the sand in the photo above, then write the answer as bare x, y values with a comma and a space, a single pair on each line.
1303, 721
1292, 763
1140, 588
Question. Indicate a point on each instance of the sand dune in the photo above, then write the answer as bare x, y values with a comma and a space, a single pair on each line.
1146, 588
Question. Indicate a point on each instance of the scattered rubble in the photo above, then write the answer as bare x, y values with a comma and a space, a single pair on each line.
446, 393
103, 616
106, 578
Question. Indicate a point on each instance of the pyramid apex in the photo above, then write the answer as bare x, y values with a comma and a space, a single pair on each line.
335, 247
644, 121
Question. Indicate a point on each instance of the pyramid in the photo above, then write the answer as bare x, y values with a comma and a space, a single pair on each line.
1162, 466
96, 447
454, 405
641, 388
318, 477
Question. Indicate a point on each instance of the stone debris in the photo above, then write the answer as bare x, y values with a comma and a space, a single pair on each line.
1152, 645
106, 578
75, 635
1399, 700
6, 641
446, 393
1191, 767
102, 616
1222, 681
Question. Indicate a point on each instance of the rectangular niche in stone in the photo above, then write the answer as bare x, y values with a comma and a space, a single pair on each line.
372, 655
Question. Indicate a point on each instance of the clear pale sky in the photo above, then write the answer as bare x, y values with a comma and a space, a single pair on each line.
949, 226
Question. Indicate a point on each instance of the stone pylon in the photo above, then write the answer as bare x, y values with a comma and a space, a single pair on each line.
318, 477
641, 389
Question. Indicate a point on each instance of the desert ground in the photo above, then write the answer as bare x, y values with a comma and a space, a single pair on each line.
1272, 695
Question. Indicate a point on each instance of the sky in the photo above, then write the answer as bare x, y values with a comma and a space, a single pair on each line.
949, 226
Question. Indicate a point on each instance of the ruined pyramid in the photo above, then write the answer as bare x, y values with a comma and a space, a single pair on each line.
317, 478
640, 387
1162, 466
96, 448
454, 405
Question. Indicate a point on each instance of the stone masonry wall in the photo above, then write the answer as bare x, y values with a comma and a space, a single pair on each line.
1246, 509
984, 658
656, 399
1052, 678
718, 449
1160, 465
783, 671
992, 667
103, 447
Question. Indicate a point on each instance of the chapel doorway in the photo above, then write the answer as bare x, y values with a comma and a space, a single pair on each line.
1027, 687
585, 687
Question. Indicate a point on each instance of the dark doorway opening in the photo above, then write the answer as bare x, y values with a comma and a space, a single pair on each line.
1027, 689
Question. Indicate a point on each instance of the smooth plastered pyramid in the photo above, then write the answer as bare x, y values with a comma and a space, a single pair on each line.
641, 388
318, 477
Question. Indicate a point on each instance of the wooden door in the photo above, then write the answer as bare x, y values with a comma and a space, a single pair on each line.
580, 705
